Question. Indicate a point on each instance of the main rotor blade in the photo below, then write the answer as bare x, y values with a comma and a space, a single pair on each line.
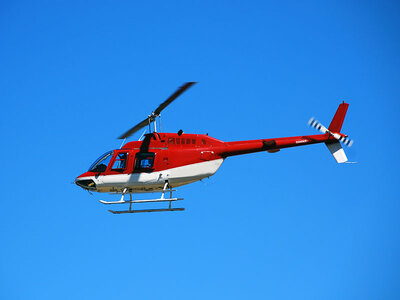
173, 97
137, 127
157, 112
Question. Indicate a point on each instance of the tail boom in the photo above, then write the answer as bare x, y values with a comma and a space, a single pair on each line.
271, 145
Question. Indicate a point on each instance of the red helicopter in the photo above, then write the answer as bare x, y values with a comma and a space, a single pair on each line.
160, 162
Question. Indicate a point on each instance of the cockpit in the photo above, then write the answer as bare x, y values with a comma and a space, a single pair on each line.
117, 161
101, 164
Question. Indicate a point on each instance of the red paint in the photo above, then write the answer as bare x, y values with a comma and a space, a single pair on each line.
337, 121
172, 150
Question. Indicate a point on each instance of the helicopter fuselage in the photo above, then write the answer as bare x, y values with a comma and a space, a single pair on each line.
179, 159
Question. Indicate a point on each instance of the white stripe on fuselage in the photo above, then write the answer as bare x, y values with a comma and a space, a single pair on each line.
155, 180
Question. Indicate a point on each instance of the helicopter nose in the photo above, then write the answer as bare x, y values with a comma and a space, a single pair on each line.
87, 184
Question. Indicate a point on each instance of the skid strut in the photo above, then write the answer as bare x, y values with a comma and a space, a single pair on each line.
166, 188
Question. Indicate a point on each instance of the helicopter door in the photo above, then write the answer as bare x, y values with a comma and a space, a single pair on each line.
144, 162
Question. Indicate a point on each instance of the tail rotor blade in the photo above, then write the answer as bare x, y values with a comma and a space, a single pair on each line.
347, 141
317, 125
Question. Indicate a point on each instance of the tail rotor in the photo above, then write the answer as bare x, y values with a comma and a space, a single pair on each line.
334, 130
339, 136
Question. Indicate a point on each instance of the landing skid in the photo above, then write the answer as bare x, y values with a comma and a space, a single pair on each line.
130, 202
141, 201
145, 210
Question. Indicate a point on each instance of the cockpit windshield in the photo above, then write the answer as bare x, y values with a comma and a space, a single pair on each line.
100, 165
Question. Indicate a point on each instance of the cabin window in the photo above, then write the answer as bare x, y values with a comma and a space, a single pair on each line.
193, 141
178, 141
183, 142
187, 141
203, 141
144, 161
171, 141
100, 165
120, 161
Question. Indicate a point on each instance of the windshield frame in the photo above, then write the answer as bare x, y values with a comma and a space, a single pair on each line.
100, 159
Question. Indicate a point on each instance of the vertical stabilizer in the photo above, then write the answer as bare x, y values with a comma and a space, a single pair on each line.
337, 151
337, 121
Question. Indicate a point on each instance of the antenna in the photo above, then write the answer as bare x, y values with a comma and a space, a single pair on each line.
123, 142
142, 135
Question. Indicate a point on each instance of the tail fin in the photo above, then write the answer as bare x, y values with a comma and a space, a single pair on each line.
337, 151
337, 121
336, 125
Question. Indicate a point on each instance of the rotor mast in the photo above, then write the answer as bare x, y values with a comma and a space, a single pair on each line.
159, 123
153, 119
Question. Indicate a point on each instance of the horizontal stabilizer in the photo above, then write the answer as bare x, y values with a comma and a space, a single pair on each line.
337, 151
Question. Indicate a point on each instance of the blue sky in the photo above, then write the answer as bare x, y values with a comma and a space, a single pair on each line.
292, 225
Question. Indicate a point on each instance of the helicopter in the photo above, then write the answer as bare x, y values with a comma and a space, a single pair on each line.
161, 162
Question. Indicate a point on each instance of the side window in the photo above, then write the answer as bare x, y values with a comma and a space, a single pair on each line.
144, 161
120, 161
